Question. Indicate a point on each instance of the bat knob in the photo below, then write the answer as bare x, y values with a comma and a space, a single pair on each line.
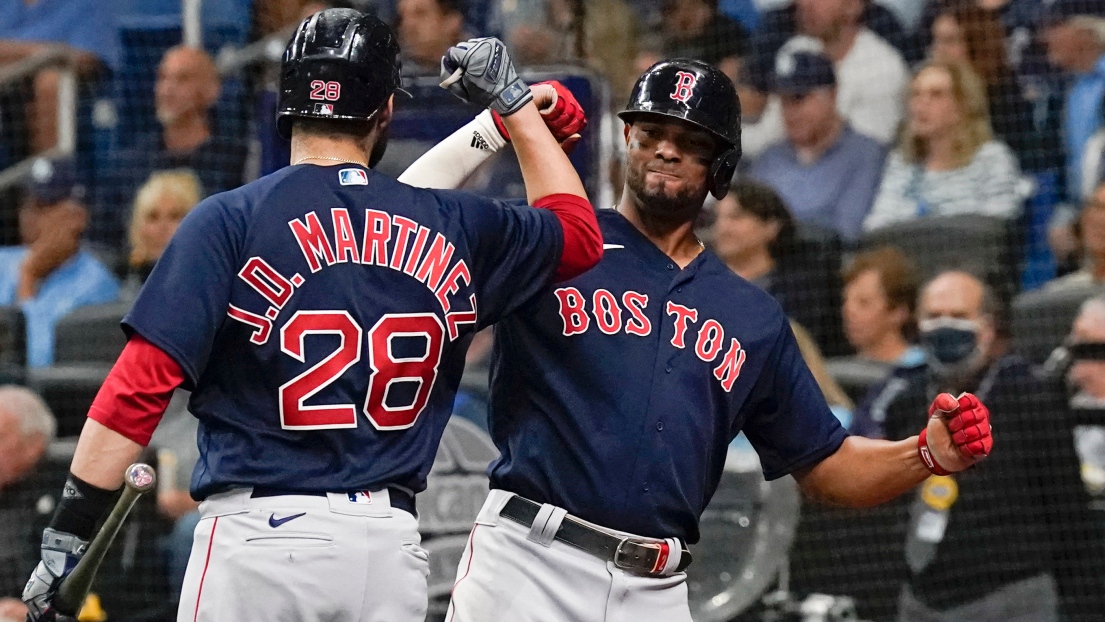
140, 477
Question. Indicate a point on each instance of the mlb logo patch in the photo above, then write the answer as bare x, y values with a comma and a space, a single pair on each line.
326, 109
361, 497
352, 177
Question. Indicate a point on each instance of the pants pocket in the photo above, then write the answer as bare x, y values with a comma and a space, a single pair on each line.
291, 539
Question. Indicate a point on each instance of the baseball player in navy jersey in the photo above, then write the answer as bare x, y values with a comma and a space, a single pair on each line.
615, 394
320, 317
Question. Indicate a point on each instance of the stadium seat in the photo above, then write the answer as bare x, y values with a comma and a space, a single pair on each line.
69, 391
90, 334
856, 375
1042, 319
13, 345
982, 244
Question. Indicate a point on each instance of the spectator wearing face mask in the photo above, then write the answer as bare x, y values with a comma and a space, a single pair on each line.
1017, 528
1087, 377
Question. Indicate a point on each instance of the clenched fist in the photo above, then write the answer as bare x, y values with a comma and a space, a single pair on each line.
958, 434
559, 110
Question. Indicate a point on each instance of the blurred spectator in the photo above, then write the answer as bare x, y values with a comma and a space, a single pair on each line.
426, 30
871, 75
186, 90
756, 236
778, 25
50, 275
838, 400
161, 203
26, 428
880, 299
83, 29
974, 35
947, 161
1091, 234
826, 172
1075, 34
602, 34
174, 440
696, 29
1087, 376
1013, 538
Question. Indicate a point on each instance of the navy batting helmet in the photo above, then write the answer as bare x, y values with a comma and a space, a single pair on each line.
697, 93
340, 64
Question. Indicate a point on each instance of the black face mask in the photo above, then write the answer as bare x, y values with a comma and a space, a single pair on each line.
949, 341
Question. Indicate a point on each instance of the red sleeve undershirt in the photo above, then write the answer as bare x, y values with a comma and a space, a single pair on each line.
582, 238
136, 392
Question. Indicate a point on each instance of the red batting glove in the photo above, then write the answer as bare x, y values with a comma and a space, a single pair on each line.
961, 435
564, 117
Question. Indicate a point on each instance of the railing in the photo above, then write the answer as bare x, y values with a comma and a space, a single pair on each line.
66, 109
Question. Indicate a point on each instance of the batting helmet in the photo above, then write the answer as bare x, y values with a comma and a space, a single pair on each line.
697, 93
340, 64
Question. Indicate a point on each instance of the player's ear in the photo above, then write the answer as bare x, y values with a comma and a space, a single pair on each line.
383, 119
625, 130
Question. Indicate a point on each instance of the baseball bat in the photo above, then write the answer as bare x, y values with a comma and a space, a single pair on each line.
138, 479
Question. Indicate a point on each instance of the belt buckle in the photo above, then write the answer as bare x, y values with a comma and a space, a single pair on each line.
655, 557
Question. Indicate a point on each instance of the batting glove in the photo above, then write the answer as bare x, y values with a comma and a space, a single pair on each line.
479, 71
60, 553
559, 109
958, 435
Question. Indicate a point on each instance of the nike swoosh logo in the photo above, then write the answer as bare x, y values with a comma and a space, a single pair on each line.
609, 246
276, 522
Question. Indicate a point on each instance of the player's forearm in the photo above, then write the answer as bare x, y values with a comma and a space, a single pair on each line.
545, 167
102, 455
125, 413
450, 162
865, 472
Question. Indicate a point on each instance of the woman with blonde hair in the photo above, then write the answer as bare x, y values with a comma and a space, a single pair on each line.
159, 206
947, 161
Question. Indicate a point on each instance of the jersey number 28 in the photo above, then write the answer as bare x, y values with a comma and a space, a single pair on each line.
387, 369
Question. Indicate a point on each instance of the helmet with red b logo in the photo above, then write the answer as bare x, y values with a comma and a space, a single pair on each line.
697, 93
339, 64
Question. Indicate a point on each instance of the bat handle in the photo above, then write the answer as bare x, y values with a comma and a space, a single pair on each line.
139, 478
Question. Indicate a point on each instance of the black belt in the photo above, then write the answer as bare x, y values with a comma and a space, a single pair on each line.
635, 555
399, 498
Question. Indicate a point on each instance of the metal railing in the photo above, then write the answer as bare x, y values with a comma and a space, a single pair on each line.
66, 109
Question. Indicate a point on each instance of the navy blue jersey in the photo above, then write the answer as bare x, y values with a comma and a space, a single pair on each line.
615, 394
321, 316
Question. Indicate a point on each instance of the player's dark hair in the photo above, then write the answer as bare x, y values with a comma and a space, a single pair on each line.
766, 205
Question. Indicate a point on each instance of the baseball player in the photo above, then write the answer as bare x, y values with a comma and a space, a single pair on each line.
615, 394
320, 317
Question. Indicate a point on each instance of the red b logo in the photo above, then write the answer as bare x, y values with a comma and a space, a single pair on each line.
684, 87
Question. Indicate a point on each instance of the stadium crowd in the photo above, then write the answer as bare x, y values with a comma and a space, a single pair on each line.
922, 190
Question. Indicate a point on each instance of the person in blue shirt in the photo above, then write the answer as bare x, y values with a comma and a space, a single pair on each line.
825, 171
50, 274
